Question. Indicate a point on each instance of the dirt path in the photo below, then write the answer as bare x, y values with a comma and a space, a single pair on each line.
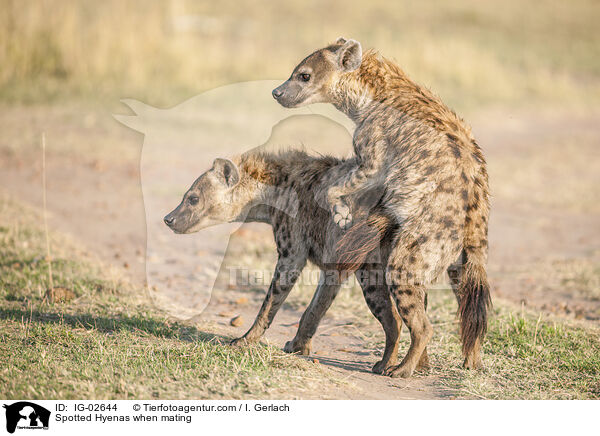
538, 242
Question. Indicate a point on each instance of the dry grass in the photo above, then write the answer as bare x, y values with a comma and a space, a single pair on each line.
471, 52
109, 342
527, 355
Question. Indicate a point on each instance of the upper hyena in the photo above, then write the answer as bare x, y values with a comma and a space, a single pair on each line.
436, 182
285, 190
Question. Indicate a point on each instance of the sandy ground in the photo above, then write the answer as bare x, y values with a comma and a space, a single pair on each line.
544, 239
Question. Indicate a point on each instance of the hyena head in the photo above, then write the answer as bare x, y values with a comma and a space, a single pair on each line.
212, 199
312, 80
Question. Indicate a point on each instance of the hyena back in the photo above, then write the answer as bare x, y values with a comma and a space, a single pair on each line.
434, 176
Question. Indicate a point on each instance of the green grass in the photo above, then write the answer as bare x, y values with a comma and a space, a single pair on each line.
109, 342
526, 355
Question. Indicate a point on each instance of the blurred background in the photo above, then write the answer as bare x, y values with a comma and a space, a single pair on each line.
525, 75
473, 53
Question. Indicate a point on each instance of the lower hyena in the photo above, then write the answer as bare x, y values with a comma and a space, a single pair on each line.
287, 191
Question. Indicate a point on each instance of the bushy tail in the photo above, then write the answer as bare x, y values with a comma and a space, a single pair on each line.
362, 238
474, 289
474, 303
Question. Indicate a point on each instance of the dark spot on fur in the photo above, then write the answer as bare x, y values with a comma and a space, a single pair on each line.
447, 222
404, 291
454, 145
465, 194
429, 170
369, 289
405, 310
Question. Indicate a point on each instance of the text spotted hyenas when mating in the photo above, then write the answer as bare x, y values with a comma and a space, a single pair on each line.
435, 179
287, 190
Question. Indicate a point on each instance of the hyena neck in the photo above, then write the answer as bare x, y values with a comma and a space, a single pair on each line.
264, 177
379, 85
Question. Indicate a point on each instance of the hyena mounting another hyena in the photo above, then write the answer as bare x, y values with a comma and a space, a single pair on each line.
285, 190
435, 177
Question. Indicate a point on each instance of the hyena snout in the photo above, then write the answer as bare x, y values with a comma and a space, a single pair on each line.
288, 94
176, 221
169, 220
277, 92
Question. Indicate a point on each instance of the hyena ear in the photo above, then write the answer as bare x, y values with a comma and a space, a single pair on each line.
226, 171
340, 40
349, 56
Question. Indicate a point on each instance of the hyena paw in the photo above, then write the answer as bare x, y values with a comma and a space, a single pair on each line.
342, 216
402, 371
380, 367
472, 363
240, 342
291, 347
423, 364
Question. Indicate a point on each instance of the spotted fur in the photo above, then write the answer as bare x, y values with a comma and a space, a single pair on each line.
288, 191
434, 177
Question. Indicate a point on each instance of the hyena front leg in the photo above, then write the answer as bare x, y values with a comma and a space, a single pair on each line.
312, 316
371, 154
286, 274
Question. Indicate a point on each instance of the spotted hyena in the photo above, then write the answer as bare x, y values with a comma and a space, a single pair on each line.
435, 177
286, 190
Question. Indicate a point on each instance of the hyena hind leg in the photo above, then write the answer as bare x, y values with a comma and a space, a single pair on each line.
455, 273
410, 302
380, 304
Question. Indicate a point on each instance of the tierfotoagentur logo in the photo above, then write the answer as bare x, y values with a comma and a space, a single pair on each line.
26, 415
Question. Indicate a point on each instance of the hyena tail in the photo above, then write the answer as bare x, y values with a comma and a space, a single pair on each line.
474, 289
364, 237
474, 303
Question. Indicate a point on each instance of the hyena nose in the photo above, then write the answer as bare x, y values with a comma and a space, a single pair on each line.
169, 220
277, 93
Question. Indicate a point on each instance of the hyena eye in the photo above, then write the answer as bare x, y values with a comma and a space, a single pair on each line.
305, 77
193, 200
